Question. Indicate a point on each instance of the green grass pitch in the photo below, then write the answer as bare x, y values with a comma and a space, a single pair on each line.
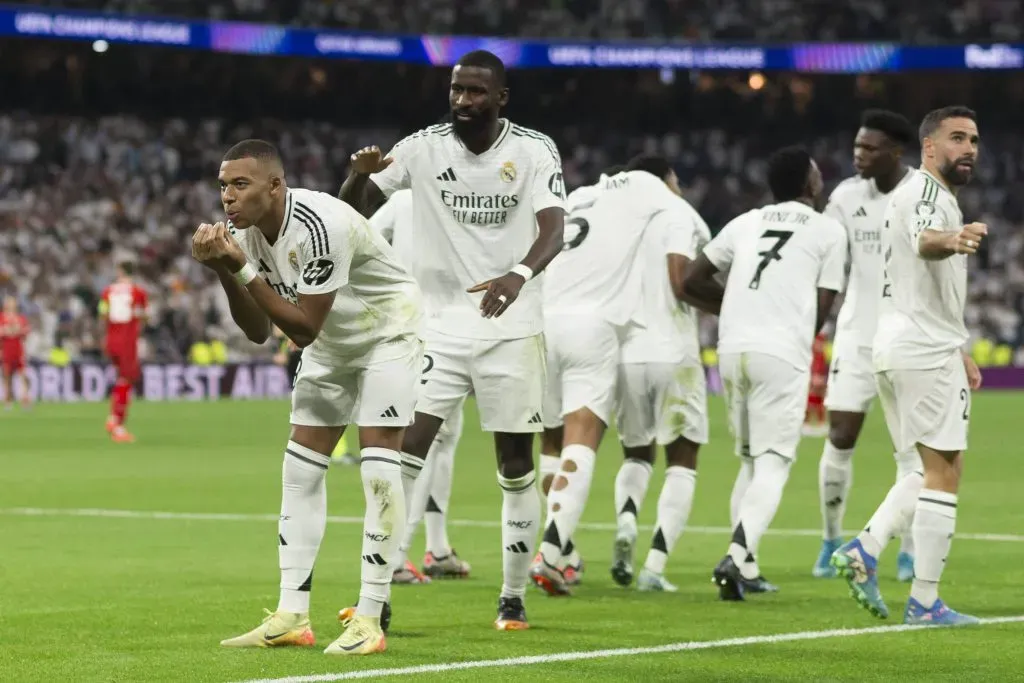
104, 598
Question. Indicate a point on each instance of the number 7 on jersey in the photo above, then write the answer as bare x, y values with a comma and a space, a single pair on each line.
772, 254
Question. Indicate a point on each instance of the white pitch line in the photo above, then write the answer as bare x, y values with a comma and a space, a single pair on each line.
770, 639
485, 524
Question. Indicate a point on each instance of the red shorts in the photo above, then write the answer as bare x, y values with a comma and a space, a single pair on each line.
126, 360
13, 363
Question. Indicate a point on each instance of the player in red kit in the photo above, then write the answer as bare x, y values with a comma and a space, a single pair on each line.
13, 330
123, 308
815, 423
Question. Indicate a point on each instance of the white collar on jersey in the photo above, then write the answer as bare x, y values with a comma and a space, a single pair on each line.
502, 134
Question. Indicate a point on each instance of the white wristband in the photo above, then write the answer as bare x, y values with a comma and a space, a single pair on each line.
246, 275
525, 271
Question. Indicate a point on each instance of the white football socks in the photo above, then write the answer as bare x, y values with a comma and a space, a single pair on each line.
894, 515
907, 462
566, 503
739, 489
416, 507
674, 506
758, 508
383, 525
412, 467
547, 467
520, 517
835, 475
630, 490
442, 464
300, 528
933, 527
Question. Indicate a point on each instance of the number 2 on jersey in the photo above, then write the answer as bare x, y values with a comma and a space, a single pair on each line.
772, 254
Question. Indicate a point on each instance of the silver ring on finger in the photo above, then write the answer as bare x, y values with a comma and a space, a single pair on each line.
502, 298
970, 244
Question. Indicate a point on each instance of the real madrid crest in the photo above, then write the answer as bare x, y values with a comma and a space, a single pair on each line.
508, 172
293, 260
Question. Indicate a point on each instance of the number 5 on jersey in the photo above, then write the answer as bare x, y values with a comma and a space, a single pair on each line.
772, 254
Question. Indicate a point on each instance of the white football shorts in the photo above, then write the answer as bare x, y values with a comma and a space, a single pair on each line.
374, 394
767, 399
927, 407
583, 362
506, 375
851, 378
661, 402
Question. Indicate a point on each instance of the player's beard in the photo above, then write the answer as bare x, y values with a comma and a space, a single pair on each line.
954, 175
472, 127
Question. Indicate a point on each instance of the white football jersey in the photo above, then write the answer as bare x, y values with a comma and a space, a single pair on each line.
670, 331
394, 222
777, 257
921, 313
598, 271
327, 246
475, 220
859, 207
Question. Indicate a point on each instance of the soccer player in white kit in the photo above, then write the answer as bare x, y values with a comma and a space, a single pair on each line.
859, 204
488, 197
925, 378
312, 266
590, 296
662, 393
394, 221
786, 264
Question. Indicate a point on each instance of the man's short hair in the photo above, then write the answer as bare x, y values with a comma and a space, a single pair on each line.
933, 119
895, 126
652, 163
788, 169
615, 169
482, 59
261, 150
127, 267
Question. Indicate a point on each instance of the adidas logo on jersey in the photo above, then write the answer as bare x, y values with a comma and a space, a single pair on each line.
860, 213
447, 176
390, 412
536, 419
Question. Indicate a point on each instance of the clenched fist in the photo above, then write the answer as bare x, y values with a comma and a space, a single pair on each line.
369, 160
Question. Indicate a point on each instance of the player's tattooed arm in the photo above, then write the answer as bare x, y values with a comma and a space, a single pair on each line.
699, 287
358, 191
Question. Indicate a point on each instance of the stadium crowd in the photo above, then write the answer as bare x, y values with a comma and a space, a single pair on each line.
920, 21
132, 174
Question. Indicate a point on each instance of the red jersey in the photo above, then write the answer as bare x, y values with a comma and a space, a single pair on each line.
125, 307
13, 330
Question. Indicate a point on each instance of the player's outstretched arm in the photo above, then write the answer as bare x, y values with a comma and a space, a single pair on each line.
699, 287
935, 245
358, 191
